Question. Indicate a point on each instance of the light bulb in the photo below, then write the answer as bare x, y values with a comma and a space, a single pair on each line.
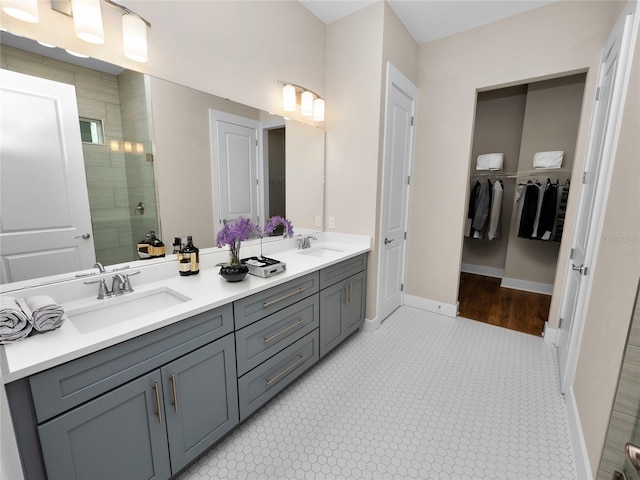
134, 38
87, 20
306, 103
289, 98
318, 110
23, 10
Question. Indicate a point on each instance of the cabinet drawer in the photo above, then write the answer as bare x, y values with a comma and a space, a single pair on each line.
342, 270
266, 380
266, 337
250, 309
61, 388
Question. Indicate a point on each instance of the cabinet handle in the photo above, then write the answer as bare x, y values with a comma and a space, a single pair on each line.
349, 292
174, 384
300, 360
283, 331
284, 297
156, 388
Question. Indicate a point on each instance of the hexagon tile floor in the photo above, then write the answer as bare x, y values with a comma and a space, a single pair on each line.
424, 397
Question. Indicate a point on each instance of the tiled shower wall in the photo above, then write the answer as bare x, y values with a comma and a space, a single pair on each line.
625, 416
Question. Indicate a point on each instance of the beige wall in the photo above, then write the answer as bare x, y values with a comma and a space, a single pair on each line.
354, 72
304, 153
236, 50
358, 48
507, 52
615, 280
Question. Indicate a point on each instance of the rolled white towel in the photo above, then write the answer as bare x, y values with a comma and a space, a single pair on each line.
14, 323
490, 161
548, 159
46, 313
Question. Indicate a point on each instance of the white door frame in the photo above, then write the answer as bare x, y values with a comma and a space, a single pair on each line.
396, 79
611, 134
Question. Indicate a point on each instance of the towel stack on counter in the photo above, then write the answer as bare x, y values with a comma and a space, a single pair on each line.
20, 316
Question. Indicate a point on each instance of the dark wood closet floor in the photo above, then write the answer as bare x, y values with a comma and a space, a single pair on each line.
483, 299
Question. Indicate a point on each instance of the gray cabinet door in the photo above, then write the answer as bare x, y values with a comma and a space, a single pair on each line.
354, 307
201, 399
342, 310
120, 434
331, 300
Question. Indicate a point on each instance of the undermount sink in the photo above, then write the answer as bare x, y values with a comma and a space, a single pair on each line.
320, 252
111, 311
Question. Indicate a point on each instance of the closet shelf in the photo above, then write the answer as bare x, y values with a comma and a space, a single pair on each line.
538, 172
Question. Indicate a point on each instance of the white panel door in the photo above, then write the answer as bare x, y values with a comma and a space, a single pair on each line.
235, 168
398, 148
593, 193
45, 224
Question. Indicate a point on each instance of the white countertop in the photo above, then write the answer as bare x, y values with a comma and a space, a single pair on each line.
206, 290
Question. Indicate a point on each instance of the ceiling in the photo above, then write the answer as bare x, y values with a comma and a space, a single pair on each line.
429, 20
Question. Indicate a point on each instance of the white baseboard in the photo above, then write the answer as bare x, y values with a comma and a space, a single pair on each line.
550, 334
526, 285
446, 309
482, 270
577, 437
370, 325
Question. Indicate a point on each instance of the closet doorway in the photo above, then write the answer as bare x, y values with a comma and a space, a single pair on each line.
521, 162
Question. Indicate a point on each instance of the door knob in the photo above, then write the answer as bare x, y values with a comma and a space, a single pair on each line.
84, 236
387, 241
582, 269
633, 455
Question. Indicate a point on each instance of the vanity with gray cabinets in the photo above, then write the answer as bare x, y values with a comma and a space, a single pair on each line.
147, 407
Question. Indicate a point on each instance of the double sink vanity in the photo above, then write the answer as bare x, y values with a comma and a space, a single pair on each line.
138, 386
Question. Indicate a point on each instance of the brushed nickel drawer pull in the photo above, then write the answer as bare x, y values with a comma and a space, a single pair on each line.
284, 330
156, 387
295, 364
174, 384
284, 297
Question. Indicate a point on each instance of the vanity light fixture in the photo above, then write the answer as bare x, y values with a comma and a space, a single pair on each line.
311, 104
87, 20
23, 10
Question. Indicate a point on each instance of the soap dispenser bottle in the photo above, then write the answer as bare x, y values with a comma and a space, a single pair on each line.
156, 247
143, 247
194, 253
184, 261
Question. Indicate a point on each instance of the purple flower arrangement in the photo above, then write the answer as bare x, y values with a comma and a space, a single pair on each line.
272, 224
233, 233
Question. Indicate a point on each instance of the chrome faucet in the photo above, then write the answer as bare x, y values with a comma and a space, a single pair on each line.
305, 242
100, 268
117, 284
